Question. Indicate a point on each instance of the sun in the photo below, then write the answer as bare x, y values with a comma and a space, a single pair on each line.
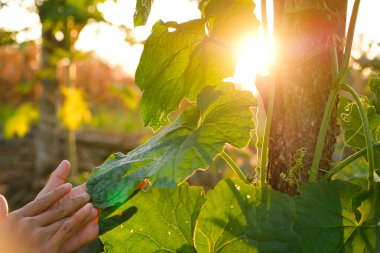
256, 55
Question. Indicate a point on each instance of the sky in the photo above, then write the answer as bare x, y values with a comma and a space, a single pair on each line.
108, 41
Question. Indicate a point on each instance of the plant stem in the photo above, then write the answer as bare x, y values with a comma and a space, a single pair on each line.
367, 133
334, 90
272, 89
234, 166
322, 133
326, 115
268, 123
350, 38
347, 161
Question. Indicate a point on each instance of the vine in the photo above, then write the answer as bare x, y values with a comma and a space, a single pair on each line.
293, 178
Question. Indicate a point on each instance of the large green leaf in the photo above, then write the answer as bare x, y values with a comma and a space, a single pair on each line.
328, 219
179, 60
164, 222
237, 217
160, 73
142, 12
222, 116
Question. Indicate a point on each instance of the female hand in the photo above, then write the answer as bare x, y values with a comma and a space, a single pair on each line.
58, 220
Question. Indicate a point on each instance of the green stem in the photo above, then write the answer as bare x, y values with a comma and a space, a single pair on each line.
334, 91
234, 166
367, 133
268, 123
347, 161
350, 39
335, 62
322, 134
326, 116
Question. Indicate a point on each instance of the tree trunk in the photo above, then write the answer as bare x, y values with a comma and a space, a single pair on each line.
303, 30
48, 148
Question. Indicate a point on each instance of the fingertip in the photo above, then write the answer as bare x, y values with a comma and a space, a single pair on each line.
62, 171
67, 186
64, 166
3, 207
66, 163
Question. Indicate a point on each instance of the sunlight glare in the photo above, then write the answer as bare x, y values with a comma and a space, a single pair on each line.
256, 56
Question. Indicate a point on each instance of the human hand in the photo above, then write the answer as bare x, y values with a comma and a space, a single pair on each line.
87, 233
58, 220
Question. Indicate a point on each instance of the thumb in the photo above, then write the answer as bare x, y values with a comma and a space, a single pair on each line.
3, 208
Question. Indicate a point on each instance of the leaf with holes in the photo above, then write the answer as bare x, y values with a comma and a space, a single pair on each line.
179, 60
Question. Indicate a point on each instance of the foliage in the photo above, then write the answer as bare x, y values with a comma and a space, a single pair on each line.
351, 125
189, 61
19, 122
74, 111
170, 226
141, 15
179, 60
339, 213
190, 143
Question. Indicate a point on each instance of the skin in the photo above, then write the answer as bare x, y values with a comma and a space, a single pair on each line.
58, 220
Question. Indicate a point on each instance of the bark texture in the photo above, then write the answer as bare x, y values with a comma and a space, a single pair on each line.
303, 30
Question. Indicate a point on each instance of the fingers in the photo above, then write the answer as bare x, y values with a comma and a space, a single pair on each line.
77, 191
63, 210
42, 203
85, 235
73, 225
57, 178
3, 208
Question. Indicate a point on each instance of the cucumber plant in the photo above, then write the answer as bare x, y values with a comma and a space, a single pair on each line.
190, 61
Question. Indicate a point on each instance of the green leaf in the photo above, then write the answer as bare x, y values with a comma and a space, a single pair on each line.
351, 125
350, 122
222, 116
164, 222
328, 219
356, 173
237, 217
160, 74
225, 16
374, 86
179, 60
142, 12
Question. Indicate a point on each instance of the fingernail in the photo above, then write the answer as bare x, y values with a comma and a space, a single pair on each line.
66, 161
